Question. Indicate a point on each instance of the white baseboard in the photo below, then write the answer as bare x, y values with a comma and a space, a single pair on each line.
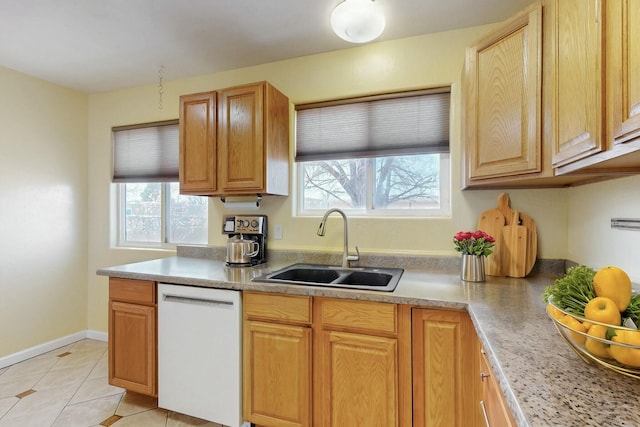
49, 346
97, 335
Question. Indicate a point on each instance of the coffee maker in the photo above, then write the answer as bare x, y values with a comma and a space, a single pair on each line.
247, 243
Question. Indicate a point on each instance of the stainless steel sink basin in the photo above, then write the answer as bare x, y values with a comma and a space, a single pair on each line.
368, 278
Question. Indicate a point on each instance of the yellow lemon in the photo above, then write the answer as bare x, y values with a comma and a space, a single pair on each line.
554, 312
604, 310
595, 347
625, 355
614, 283
575, 325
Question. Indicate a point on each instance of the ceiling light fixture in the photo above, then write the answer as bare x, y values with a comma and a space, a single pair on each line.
357, 21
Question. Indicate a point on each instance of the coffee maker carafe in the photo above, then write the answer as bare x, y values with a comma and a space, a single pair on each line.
247, 243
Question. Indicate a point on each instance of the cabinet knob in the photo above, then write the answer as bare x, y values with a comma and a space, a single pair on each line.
484, 375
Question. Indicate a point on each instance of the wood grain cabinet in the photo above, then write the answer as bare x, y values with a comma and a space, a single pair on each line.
574, 78
360, 364
133, 342
623, 70
235, 141
495, 410
349, 371
582, 124
503, 83
592, 99
445, 369
198, 143
277, 359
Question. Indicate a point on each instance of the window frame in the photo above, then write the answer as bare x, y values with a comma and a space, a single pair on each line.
368, 211
444, 211
121, 240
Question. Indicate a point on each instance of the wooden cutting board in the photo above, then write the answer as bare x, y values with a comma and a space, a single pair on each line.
492, 222
520, 259
514, 249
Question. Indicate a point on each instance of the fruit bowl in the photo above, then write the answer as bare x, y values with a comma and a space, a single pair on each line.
594, 347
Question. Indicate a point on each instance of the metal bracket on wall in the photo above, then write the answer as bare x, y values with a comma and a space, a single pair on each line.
626, 223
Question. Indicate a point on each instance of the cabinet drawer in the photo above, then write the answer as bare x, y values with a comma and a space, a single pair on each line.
358, 315
289, 308
493, 401
129, 290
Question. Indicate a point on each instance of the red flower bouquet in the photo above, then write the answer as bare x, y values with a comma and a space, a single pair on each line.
474, 243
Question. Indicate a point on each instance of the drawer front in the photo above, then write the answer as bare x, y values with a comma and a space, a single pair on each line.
284, 308
358, 316
135, 291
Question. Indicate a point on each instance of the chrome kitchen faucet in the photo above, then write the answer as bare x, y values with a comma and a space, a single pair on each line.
346, 258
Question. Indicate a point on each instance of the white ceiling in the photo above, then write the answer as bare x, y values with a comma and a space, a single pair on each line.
102, 45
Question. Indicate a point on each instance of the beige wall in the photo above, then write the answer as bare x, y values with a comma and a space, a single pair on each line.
43, 212
591, 240
424, 61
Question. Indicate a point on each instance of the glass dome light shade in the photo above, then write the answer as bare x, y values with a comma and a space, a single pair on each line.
357, 21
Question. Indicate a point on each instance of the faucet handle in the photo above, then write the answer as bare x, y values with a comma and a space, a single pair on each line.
354, 257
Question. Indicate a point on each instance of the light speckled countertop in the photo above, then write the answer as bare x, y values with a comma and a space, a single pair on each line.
544, 381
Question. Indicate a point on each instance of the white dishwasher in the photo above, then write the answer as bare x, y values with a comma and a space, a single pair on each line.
199, 352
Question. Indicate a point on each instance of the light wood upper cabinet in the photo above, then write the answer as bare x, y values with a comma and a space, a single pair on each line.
133, 343
445, 369
610, 93
198, 143
589, 110
623, 69
574, 78
235, 141
502, 100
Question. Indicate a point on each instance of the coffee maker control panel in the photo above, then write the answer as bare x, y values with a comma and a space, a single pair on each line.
245, 224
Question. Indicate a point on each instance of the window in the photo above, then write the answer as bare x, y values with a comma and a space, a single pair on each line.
384, 155
152, 212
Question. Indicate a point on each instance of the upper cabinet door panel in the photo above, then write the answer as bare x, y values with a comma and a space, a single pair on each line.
623, 69
241, 141
198, 143
503, 78
575, 75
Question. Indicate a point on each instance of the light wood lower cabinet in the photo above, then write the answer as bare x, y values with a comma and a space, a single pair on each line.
352, 370
445, 369
277, 360
133, 338
492, 402
358, 353
359, 380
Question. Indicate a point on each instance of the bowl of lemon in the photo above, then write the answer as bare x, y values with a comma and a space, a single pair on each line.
598, 314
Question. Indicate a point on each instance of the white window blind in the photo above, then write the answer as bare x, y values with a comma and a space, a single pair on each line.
146, 152
414, 122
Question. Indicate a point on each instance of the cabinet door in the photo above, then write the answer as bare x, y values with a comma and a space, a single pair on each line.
198, 143
502, 100
573, 101
445, 369
623, 69
495, 409
241, 139
132, 347
277, 374
357, 380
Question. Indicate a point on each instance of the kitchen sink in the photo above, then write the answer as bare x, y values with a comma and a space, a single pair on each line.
307, 275
367, 278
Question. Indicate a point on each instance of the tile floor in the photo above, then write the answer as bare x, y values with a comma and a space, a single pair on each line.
68, 387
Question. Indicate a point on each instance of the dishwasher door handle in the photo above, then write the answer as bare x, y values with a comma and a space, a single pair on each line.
196, 301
